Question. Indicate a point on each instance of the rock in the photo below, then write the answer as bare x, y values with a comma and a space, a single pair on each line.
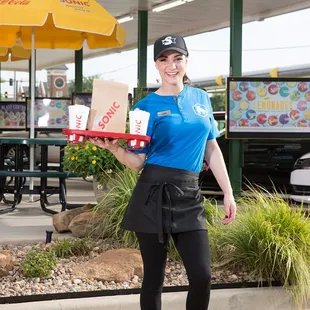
84, 224
6, 263
62, 220
27, 248
233, 277
21, 254
119, 265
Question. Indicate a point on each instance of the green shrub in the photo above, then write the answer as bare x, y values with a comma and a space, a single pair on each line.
39, 264
271, 240
113, 206
82, 247
87, 159
62, 248
71, 247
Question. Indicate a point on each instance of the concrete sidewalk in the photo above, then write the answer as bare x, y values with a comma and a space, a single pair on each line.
226, 299
28, 223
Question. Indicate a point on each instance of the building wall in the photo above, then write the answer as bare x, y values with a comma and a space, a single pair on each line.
57, 83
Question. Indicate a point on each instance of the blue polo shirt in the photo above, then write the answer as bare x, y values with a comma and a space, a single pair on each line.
179, 128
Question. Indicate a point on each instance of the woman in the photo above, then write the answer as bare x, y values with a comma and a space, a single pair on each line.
167, 200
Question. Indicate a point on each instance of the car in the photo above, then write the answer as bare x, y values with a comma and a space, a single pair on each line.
300, 180
267, 162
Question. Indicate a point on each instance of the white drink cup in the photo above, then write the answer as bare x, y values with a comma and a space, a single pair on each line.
138, 122
78, 116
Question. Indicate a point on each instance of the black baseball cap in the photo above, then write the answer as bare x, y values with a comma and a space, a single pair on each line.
169, 43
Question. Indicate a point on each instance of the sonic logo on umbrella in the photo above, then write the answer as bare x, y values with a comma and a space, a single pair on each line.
78, 5
83, 3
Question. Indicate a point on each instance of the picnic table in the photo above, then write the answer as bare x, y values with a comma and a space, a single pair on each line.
19, 171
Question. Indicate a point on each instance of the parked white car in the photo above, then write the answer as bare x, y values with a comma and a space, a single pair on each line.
300, 180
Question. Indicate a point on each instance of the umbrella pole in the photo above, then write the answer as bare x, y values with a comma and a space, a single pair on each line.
32, 83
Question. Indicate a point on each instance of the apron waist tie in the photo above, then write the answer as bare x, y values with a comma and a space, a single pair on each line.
161, 189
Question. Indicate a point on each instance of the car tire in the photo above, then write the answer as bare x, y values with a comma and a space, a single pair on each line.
9, 152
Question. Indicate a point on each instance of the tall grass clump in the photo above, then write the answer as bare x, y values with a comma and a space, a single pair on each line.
216, 229
214, 216
72, 247
272, 241
113, 206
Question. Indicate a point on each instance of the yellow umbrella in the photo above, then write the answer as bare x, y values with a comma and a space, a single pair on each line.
58, 24
15, 53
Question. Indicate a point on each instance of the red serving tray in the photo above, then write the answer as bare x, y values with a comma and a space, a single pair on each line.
134, 142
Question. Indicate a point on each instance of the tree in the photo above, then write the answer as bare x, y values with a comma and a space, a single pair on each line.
218, 102
87, 84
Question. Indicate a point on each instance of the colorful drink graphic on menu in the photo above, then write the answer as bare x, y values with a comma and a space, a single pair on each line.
270, 106
50, 113
12, 115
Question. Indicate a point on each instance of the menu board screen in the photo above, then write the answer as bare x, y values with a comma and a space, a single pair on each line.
268, 107
12, 116
50, 113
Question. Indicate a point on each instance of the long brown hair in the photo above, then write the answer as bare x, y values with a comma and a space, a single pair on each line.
186, 80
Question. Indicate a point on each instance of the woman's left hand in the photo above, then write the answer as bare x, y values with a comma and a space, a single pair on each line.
105, 143
230, 208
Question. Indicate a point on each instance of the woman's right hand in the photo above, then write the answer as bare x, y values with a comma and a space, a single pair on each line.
105, 143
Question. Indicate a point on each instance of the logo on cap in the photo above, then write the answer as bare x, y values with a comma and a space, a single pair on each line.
168, 40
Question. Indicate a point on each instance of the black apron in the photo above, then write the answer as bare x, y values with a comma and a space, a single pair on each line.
165, 200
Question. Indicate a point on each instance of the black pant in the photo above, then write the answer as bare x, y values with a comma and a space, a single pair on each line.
193, 247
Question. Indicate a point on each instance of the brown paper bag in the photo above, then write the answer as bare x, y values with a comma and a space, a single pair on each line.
108, 107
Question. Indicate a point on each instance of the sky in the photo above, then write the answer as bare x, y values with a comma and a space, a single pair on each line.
275, 42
